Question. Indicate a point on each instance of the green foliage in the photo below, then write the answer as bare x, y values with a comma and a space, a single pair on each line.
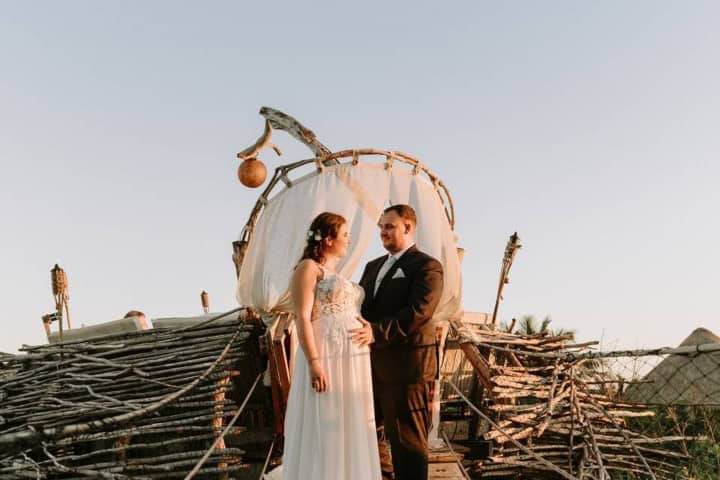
700, 423
529, 325
705, 463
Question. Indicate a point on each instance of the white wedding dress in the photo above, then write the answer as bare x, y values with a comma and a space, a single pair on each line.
331, 435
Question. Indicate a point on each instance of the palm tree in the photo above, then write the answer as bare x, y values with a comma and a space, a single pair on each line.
529, 326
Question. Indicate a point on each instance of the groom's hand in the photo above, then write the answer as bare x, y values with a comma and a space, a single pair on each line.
362, 335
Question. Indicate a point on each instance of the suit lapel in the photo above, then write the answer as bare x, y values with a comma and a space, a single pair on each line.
399, 264
372, 277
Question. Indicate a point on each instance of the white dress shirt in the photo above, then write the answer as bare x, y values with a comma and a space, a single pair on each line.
388, 265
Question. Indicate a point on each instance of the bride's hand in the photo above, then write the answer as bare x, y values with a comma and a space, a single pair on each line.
362, 335
317, 376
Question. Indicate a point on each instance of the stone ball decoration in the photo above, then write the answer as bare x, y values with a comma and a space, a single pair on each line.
252, 172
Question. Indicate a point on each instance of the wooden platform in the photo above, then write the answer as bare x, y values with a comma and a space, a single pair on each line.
444, 464
445, 471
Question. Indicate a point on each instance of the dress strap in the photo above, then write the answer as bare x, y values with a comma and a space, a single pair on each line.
322, 269
325, 271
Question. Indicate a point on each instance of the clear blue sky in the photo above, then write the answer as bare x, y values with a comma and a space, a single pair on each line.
591, 128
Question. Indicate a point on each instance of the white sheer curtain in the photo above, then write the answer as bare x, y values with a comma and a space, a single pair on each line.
359, 193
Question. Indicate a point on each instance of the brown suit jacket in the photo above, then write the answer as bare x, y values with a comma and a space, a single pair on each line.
401, 317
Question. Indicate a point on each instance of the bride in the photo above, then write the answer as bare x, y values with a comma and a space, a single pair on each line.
329, 422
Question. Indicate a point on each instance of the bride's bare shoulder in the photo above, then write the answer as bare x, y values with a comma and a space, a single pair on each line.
307, 268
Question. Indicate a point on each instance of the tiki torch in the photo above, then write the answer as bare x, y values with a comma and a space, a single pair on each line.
511, 249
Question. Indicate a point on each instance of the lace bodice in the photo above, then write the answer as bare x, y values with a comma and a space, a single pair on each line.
336, 295
337, 306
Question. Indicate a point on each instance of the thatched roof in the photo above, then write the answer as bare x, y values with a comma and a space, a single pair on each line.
692, 379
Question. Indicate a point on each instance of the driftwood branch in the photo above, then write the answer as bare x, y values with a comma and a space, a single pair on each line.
253, 150
283, 121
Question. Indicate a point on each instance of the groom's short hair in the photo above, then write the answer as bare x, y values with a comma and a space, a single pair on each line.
406, 212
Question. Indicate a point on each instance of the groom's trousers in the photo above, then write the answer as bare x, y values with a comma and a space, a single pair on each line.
404, 412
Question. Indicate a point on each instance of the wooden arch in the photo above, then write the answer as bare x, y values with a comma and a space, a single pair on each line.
325, 158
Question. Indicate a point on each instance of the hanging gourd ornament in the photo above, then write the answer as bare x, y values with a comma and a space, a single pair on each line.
252, 172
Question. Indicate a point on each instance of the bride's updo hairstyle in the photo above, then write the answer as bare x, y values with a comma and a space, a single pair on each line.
325, 225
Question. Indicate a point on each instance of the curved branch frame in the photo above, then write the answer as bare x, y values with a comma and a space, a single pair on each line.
322, 161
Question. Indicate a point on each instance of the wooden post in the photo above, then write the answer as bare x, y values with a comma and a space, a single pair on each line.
205, 301
511, 249
278, 344
441, 333
218, 420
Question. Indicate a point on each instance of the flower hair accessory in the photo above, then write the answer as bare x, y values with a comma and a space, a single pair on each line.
314, 234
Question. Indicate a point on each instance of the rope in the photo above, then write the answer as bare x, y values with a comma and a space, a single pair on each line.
526, 353
621, 430
519, 445
691, 350
83, 471
457, 460
286, 180
222, 435
389, 158
267, 460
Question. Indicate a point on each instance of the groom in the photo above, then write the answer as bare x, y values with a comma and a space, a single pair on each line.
402, 290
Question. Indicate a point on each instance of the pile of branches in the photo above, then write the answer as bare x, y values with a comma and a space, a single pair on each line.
141, 405
6, 366
552, 413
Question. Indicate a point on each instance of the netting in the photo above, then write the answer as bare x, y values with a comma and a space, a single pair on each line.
554, 408
681, 386
684, 376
